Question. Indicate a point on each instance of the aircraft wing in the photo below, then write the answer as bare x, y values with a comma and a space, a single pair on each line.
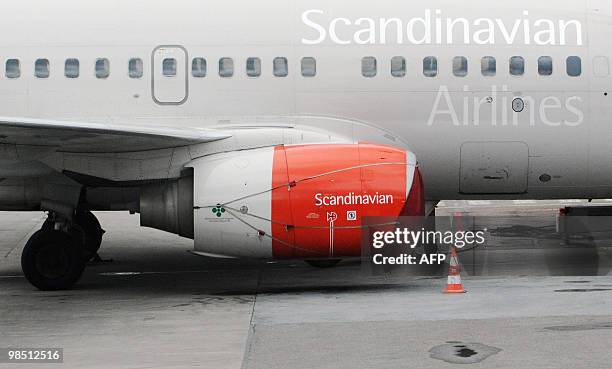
100, 137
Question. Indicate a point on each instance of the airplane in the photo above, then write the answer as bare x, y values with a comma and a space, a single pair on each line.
272, 129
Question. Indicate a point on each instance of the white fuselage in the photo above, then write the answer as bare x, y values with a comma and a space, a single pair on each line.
469, 141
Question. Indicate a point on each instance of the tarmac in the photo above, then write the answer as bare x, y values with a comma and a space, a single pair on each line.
531, 303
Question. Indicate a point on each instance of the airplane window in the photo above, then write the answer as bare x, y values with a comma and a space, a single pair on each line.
136, 68
601, 66
71, 68
169, 67
368, 66
545, 65
281, 67
253, 67
489, 66
309, 67
460, 66
13, 69
198, 67
398, 66
102, 68
517, 66
226, 67
574, 66
41, 68
430, 66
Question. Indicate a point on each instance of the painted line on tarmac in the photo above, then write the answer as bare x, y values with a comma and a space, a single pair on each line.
479, 203
524, 202
120, 274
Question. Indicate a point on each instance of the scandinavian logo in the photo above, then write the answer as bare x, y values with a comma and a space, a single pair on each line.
434, 27
218, 210
351, 215
353, 199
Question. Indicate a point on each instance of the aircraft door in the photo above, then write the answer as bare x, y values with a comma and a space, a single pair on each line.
170, 82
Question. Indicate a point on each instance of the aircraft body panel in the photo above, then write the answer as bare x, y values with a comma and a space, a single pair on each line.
556, 147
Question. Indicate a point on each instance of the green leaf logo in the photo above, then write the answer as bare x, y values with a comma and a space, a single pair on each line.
218, 210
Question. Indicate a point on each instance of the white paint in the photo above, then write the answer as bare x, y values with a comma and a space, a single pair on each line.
434, 27
234, 180
353, 199
542, 110
524, 202
478, 202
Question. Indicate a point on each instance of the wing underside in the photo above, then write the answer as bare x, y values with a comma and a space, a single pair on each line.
99, 137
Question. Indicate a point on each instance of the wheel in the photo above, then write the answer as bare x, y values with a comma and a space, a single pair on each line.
92, 232
52, 260
327, 263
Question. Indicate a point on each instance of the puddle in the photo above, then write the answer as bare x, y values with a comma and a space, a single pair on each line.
465, 352
181, 305
584, 290
525, 232
119, 273
456, 352
577, 281
580, 327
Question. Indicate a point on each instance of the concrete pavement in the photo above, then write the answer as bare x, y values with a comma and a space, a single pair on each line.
157, 306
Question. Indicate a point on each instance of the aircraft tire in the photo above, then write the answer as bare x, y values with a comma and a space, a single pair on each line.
52, 260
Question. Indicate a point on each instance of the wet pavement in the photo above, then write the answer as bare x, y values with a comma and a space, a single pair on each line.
532, 304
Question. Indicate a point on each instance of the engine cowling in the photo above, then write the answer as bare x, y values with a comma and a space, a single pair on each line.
300, 201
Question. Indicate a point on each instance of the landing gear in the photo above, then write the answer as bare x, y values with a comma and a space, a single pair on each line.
54, 257
52, 260
327, 263
87, 229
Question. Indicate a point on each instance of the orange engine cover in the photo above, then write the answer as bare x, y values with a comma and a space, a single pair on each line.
321, 193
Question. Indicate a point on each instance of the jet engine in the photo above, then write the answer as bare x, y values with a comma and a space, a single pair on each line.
305, 202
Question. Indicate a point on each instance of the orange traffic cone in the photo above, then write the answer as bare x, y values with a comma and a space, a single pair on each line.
453, 285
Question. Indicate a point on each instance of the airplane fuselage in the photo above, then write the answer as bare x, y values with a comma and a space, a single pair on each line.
442, 78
